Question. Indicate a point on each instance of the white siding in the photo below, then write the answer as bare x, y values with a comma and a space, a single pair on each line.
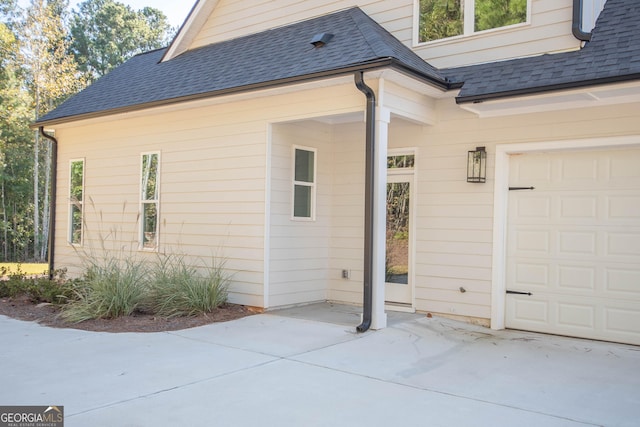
213, 190
549, 29
347, 203
299, 248
455, 218
213, 168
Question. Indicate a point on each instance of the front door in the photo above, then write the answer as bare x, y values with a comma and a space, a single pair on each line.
398, 257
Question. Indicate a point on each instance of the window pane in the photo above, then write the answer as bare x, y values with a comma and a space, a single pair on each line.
304, 166
440, 19
150, 177
398, 162
397, 247
302, 201
499, 13
149, 223
77, 170
76, 223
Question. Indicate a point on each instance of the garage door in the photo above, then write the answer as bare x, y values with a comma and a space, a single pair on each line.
573, 244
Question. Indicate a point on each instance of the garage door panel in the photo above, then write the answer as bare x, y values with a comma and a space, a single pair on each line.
623, 244
623, 208
572, 315
623, 282
577, 242
530, 276
574, 243
572, 278
579, 169
622, 321
529, 311
582, 207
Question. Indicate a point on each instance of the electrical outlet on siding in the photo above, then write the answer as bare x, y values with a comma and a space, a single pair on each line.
346, 274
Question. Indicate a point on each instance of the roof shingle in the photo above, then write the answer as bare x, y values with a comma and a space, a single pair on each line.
276, 55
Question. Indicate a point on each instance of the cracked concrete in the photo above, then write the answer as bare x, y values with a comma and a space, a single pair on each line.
287, 370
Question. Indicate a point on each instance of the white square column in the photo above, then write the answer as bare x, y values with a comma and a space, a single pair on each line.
378, 316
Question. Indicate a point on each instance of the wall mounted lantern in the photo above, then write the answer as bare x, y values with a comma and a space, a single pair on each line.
477, 165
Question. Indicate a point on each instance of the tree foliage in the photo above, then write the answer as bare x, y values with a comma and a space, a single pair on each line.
106, 33
38, 70
499, 13
440, 19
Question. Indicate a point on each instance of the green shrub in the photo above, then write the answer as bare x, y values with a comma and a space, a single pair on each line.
38, 288
178, 289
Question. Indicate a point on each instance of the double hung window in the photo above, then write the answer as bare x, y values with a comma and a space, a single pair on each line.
304, 183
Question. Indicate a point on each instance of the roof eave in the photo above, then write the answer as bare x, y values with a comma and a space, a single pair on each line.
545, 89
364, 67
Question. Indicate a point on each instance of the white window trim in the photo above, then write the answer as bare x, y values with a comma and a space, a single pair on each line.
313, 185
71, 203
468, 25
143, 202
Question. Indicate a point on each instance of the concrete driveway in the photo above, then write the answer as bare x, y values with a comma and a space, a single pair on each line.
280, 369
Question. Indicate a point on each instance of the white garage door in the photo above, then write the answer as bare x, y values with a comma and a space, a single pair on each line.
573, 243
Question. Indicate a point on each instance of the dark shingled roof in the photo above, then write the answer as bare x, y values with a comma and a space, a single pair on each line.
280, 55
612, 55
285, 55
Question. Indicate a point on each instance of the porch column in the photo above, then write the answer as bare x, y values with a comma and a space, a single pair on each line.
378, 316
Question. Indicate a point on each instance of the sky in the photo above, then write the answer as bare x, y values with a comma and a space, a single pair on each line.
176, 10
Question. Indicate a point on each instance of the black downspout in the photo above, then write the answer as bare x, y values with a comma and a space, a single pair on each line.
576, 26
369, 206
52, 204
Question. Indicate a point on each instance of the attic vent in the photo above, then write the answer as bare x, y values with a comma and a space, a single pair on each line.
321, 39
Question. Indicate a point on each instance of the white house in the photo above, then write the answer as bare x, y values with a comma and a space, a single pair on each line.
325, 149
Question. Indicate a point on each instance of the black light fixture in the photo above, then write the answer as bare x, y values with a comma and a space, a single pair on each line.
477, 165
321, 39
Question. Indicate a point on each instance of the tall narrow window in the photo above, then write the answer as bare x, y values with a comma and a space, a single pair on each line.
304, 183
149, 200
76, 201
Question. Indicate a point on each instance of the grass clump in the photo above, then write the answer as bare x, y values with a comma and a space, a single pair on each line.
121, 286
116, 287
179, 289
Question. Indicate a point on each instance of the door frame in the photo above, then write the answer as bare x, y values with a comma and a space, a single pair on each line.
410, 176
501, 201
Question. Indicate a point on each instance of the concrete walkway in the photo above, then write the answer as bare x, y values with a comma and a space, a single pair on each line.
280, 369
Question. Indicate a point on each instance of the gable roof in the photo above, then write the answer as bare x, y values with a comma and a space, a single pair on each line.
275, 57
612, 55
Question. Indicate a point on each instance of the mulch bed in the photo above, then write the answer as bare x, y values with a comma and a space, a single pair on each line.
47, 315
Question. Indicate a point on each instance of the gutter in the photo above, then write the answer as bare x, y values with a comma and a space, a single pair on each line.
377, 64
477, 99
576, 26
369, 205
52, 203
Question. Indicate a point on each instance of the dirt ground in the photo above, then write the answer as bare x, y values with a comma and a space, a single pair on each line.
47, 315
